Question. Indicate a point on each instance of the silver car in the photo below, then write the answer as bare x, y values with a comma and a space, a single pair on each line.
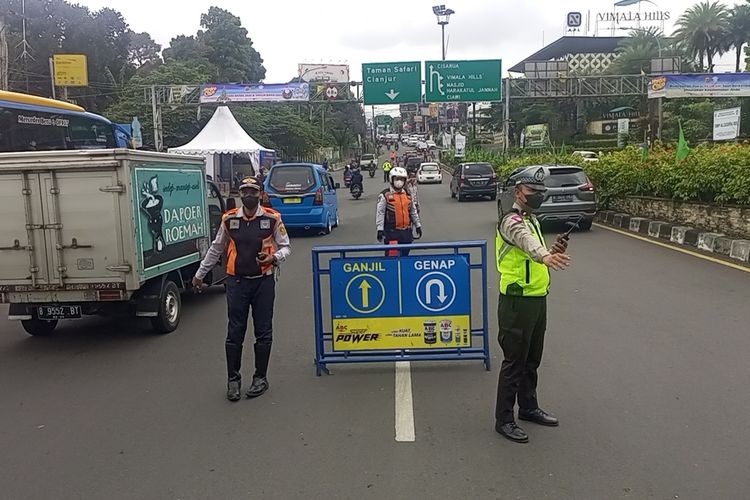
570, 195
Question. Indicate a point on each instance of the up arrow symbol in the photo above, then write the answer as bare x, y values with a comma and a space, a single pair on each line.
392, 94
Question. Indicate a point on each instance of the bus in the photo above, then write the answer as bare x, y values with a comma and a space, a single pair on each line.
31, 123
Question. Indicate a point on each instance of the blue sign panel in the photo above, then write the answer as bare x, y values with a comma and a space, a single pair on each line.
410, 286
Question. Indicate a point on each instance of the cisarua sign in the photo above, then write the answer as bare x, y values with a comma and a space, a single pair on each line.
463, 81
391, 83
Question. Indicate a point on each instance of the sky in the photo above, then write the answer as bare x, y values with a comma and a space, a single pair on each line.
289, 32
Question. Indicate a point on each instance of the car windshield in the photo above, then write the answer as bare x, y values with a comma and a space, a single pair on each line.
478, 169
292, 178
565, 177
429, 168
367, 157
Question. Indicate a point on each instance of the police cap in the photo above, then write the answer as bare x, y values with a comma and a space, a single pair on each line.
530, 176
251, 182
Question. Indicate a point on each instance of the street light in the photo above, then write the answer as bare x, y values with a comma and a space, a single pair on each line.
443, 18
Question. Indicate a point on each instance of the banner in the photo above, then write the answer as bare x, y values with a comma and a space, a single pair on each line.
535, 136
726, 124
706, 85
256, 92
428, 332
328, 73
460, 145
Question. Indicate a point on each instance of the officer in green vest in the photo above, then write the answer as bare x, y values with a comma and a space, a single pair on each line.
523, 261
387, 166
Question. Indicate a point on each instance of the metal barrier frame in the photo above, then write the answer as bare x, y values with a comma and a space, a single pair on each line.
323, 338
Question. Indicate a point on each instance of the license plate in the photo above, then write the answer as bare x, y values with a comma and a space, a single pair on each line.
292, 200
562, 198
58, 312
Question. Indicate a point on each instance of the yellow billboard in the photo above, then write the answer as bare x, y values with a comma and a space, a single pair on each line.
426, 332
70, 70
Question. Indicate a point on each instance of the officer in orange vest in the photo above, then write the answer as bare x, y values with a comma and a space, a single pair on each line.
255, 240
396, 212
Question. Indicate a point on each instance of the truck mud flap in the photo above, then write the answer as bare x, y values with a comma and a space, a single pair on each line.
19, 312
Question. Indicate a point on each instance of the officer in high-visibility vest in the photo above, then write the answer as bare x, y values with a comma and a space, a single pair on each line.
523, 261
387, 166
396, 212
255, 240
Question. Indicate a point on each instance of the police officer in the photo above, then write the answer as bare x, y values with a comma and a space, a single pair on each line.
387, 166
396, 212
256, 241
523, 261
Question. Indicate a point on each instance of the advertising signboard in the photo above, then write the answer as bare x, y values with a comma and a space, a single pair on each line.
726, 124
463, 81
71, 70
382, 303
255, 92
703, 85
333, 73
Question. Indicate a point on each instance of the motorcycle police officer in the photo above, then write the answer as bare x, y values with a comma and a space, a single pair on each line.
396, 212
523, 261
256, 241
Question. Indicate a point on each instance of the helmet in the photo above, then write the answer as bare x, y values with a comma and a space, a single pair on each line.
531, 176
398, 172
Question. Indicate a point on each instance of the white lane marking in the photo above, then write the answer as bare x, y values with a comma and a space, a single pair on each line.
404, 403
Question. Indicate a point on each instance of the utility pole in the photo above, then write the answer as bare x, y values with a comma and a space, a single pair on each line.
506, 120
52, 77
3, 55
156, 112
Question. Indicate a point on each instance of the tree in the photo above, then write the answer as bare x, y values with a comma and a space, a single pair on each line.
739, 31
143, 50
183, 48
225, 43
702, 31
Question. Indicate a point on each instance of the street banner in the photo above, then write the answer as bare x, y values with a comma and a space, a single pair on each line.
328, 73
460, 145
726, 124
255, 92
704, 85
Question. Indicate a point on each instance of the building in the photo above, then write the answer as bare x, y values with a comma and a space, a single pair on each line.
570, 55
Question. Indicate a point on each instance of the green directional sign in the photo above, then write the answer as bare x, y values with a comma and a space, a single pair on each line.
385, 120
463, 81
392, 83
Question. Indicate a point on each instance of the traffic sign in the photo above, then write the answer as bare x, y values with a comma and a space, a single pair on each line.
463, 81
332, 93
392, 83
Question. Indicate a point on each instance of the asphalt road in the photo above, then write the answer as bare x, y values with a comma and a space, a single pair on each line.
645, 364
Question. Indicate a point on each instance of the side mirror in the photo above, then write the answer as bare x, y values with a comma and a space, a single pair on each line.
337, 185
231, 203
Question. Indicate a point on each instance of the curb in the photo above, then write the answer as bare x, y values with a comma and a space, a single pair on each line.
736, 249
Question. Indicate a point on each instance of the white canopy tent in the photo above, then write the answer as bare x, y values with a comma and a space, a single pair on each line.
222, 135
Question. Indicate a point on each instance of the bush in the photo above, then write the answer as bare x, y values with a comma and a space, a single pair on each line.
710, 174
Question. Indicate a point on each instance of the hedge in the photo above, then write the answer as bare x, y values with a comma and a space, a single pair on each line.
710, 174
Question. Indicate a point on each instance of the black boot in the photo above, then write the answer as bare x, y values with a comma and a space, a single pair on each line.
260, 382
234, 361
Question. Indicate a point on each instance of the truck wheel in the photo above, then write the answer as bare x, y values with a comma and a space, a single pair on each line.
38, 328
170, 308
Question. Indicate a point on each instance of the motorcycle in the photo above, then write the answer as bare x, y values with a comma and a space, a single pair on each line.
356, 191
372, 169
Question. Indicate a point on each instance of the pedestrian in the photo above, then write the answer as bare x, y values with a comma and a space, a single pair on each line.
325, 164
256, 241
523, 261
396, 213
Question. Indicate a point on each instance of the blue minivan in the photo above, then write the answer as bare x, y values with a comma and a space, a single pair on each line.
305, 196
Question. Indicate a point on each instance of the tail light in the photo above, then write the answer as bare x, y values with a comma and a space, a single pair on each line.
109, 295
494, 176
318, 197
587, 187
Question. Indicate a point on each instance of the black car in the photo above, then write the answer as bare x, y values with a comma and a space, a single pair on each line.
474, 179
412, 164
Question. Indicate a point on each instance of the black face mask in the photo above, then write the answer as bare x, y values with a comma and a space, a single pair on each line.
251, 203
534, 200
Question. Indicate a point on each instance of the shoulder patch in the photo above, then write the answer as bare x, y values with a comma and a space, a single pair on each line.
270, 212
229, 213
516, 218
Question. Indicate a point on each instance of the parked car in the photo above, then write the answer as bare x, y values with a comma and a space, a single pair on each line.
474, 179
305, 196
570, 195
587, 155
429, 173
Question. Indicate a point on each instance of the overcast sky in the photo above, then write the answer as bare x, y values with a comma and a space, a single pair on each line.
287, 32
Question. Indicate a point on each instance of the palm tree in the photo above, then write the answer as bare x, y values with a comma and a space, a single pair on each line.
739, 31
634, 54
702, 31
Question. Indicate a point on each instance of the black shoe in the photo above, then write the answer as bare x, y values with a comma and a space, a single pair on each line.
511, 431
233, 390
258, 387
538, 416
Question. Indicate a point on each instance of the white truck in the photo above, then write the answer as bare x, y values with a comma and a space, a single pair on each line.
102, 232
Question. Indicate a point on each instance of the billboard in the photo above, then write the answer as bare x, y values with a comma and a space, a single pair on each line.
255, 92
70, 70
328, 73
703, 85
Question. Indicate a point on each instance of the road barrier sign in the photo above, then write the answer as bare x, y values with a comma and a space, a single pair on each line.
400, 308
463, 81
392, 83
